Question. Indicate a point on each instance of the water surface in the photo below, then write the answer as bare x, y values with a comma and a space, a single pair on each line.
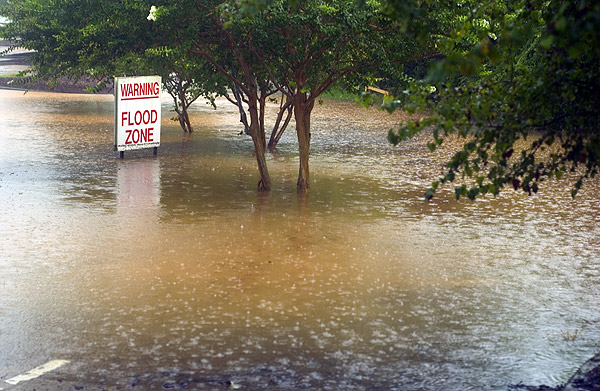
171, 272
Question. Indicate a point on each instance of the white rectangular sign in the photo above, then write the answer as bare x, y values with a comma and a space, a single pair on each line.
137, 112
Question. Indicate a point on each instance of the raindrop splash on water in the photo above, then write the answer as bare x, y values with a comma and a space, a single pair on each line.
173, 271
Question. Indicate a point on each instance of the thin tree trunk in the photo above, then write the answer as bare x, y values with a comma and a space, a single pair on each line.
258, 138
184, 118
278, 131
249, 88
264, 184
239, 102
261, 115
184, 121
181, 105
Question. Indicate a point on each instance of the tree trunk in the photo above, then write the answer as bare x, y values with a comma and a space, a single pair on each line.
184, 118
264, 184
258, 138
302, 111
178, 93
249, 87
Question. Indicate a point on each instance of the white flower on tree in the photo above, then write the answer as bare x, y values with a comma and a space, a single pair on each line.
152, 14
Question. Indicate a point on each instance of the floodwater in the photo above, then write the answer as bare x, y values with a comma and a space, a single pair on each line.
172, 272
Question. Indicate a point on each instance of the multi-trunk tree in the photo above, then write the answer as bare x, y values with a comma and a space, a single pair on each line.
301, 49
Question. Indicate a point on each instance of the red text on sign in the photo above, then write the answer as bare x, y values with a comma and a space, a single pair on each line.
140, 89
135, 136
139, 117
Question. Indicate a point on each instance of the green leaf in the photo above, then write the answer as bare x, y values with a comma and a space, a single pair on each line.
547, 42
393, 137
429, 194
460, 191
473, 193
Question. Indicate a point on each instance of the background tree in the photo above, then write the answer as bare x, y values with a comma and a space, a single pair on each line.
184, 78
97, 40
75, 38
525, 96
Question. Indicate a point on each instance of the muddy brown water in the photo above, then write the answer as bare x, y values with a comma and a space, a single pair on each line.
173, 272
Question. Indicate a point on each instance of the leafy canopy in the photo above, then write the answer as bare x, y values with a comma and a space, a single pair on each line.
520, 83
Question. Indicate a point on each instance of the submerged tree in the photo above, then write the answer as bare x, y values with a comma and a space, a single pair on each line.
521, 84
306, 47
225, 49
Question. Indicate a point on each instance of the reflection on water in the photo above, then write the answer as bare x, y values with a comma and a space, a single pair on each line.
138, 185
172, 271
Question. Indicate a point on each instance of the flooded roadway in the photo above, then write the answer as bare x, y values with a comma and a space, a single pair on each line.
172, 272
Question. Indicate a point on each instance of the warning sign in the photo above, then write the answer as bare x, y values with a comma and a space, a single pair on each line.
137, 112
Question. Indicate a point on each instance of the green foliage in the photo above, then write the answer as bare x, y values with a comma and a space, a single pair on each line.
305, 43
245, 9
77, 38
308, 47
520, 83
98, 40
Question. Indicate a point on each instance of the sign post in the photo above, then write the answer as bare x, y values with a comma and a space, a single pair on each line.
137, 113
